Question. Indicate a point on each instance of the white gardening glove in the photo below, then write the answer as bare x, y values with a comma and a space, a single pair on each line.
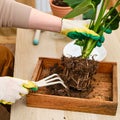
79, 29
11, 89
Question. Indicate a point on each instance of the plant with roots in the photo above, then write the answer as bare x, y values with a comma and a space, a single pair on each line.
103, 20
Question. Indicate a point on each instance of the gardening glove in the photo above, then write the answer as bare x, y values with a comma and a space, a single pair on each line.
12, 89
78, 29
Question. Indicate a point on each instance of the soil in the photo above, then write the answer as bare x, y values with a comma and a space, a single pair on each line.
81, 76
60, 3
77, 74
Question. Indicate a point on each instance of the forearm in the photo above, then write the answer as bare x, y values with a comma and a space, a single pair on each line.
14, 14
44, 21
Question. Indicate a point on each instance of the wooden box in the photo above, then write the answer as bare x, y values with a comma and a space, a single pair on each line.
43, 100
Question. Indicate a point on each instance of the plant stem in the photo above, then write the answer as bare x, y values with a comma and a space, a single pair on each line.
91, 44
87, 49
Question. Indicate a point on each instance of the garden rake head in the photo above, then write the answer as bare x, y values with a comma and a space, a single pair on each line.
50, 80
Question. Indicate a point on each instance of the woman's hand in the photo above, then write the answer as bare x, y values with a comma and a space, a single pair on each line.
78, 29
12, 89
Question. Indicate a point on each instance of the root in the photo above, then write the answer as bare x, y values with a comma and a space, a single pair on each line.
77, 74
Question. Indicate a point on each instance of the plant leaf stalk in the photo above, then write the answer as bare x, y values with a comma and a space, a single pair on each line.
104, 21
95, 25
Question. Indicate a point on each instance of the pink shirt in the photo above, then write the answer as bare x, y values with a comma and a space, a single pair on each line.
14, 14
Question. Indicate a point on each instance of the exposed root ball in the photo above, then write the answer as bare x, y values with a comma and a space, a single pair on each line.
77, 74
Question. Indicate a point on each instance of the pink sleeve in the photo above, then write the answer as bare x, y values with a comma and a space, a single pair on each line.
14, 14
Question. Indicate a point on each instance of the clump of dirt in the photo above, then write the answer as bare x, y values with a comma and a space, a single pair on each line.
60, 3
77, 74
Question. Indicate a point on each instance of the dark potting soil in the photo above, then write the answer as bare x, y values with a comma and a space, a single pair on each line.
77, 74
82, 78
60, 3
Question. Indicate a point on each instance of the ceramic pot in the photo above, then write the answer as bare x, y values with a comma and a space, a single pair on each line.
59, 11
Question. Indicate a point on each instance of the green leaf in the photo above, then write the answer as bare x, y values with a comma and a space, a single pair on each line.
89, 15
83, 7
114, 26
96, 2
92, 13
115, 22
73, 4
80, 42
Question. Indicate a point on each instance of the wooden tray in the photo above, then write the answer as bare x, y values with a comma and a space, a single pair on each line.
107, 73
